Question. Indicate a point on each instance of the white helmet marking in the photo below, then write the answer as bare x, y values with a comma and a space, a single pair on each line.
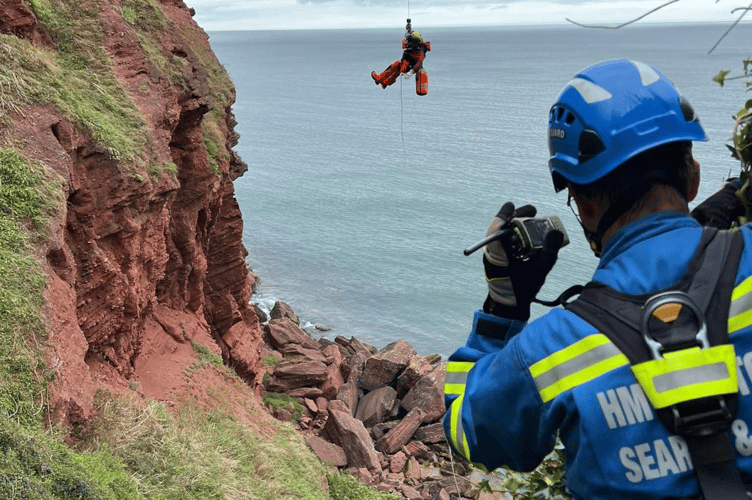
589, 91
647, 74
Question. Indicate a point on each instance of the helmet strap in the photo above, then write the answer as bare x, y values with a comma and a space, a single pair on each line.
592, 238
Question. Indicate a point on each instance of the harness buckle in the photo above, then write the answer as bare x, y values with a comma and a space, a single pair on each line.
672, 342
703, 417
699, 417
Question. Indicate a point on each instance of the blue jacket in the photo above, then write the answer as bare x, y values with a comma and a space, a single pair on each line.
501, 413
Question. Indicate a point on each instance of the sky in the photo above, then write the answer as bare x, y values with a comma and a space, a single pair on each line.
222, 15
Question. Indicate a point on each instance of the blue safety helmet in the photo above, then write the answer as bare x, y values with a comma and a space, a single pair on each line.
610, 112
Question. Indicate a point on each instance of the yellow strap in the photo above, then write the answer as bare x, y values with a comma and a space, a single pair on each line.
688, 374
740, 311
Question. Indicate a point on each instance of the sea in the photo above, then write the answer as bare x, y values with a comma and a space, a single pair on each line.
359, 201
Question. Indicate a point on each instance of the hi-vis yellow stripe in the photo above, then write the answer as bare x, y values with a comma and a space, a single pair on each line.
456, 376
576, 364
740, 312
459, 441
688, 374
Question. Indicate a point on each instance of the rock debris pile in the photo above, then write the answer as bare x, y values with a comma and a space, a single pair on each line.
376, 413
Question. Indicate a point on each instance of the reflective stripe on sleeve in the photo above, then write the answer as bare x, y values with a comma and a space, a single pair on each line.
459, 441
575, 365
740, 312
456, 376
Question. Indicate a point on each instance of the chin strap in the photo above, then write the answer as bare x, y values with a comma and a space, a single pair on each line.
634, 189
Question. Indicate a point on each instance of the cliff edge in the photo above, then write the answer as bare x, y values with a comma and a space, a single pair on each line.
128, 105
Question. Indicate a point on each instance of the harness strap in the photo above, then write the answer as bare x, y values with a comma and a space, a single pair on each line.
708, 283
715, 465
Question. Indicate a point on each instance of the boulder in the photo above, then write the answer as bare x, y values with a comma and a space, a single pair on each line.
416, 368
397, 462
334, 377
349, 433
401, 434
282, 331
383, 368
431, 433
260, 314
428, 394
326, 451
302, 392
349, 394
376, 405
417, 449
298, 351
282, 310
293, 375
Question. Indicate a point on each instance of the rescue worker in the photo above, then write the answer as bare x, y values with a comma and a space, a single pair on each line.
620, 142
412, 59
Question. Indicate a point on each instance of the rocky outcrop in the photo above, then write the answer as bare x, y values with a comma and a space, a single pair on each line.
147, 254
375, 413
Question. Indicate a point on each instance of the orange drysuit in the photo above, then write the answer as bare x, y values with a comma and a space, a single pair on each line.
412, 58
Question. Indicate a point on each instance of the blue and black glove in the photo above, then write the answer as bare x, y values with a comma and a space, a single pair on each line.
722, 208
513, 283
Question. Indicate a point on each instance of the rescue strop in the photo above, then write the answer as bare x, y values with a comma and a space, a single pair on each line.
677, 343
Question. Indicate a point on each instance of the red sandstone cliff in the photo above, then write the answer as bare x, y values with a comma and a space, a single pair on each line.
138, 265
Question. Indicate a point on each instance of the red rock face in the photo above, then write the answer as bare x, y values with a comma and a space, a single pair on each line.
16, 18
139, 266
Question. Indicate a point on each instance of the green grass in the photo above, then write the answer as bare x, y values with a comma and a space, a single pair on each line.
343, 486
270, 360
279, 400
77, 78
36, 466
195, 453
24, 203
144, 15
205, 355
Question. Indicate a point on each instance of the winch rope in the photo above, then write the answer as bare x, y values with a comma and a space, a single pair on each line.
402, 124
402, 105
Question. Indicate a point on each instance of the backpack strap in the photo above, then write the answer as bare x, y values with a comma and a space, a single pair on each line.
703, 422
708, 283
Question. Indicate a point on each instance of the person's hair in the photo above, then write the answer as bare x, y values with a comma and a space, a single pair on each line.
664, 170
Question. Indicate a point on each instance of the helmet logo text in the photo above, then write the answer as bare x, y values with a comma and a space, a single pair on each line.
556, 132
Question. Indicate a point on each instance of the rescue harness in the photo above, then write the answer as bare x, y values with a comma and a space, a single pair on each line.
677, 343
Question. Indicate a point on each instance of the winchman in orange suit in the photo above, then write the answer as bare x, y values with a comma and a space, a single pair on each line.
412, 58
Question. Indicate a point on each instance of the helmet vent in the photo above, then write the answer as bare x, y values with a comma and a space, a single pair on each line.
590, 145
559, 114
569, 119
687, 110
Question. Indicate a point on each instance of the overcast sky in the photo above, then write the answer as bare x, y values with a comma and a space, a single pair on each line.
217, 15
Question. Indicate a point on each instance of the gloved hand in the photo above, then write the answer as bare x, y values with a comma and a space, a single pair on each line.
513, 283
721, 208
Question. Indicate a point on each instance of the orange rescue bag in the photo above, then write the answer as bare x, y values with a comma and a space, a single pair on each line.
421, 82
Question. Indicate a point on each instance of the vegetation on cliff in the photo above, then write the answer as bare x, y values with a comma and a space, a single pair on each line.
76, 77
134, 449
